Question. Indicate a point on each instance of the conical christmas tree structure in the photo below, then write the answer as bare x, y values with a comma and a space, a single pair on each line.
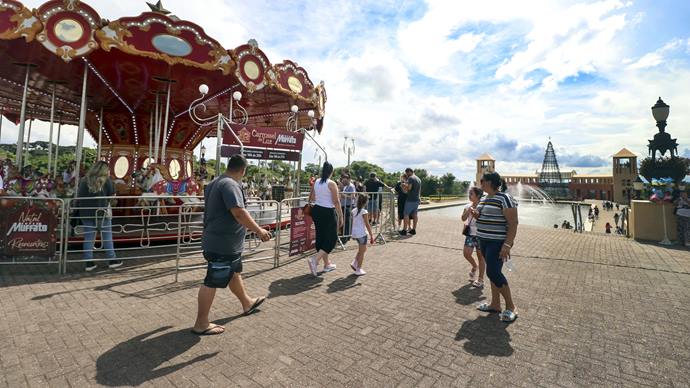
550, 178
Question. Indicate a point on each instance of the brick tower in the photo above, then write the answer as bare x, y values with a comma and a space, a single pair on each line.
485, 163
624, 174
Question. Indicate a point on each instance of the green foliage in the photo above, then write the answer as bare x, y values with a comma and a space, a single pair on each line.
37, 156
675, 168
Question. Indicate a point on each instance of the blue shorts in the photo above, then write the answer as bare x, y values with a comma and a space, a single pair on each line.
472, 241
410, 208
221, 268
373, 205
361, 240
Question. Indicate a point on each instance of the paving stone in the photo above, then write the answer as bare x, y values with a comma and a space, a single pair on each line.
595, 310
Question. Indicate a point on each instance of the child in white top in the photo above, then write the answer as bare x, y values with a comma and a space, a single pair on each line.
360, 227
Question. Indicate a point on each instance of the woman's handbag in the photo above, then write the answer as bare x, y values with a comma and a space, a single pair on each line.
466, 229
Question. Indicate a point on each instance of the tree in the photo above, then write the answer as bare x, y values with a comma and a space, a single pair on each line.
311, 169
447, 182
676, 168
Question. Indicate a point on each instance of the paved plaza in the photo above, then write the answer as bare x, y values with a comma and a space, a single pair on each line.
595, 310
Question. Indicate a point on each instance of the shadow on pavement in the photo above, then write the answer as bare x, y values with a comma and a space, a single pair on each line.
467, 295
343, 284
145, 357
485, 336
294, 286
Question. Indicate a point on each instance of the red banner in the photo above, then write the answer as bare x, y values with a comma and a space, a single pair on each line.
28, 228
264, 138
302, 232
261, 154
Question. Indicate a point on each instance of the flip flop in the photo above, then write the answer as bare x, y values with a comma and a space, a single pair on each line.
209, 331
485, 308
255, 306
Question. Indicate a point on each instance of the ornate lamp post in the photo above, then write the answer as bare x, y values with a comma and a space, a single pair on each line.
349, 148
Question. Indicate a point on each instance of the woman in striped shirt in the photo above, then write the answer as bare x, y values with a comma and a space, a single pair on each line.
497, 221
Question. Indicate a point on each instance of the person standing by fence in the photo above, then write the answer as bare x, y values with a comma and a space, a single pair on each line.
327, 214
348, 198
413, 189
225, 227
374, 186
402, 198
93, 209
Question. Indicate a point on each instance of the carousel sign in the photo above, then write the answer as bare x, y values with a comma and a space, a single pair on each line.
28, 230
264, 138
260, 154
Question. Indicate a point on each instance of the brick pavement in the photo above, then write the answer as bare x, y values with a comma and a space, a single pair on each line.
595, 311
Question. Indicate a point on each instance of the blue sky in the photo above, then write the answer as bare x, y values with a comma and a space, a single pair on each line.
434, 84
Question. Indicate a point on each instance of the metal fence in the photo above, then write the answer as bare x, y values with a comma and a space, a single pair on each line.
141, 229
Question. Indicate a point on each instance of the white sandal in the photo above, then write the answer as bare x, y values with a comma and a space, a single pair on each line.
508, 316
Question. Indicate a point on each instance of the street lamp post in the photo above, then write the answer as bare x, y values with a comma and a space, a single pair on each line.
349, 148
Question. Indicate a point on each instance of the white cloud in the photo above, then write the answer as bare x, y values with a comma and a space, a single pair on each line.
425, 91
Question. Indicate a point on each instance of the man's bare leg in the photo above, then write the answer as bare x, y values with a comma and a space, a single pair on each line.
236, 286
415, 218
406, 223
205, 300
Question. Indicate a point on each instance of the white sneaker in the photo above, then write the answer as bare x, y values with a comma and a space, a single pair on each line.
360, 272
354, 265
312, 265
329, 268
473, 275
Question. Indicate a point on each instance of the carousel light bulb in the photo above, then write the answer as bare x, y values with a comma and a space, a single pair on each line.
203, 89
237, 95
294, 108
311, 113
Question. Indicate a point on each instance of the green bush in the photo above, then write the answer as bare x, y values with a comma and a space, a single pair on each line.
674, 168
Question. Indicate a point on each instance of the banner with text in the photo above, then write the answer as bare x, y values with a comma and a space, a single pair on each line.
264, 138
302, 232
263, 154
28, 229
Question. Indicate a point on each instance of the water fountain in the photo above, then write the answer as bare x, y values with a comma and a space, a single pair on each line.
530, 193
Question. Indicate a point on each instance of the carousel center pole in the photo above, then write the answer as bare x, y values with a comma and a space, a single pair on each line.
100, 136
22, 121
80, 132
57, 149
28, 139
148, 157
219, 142
2, 112
50, 132
157, 132
165, 124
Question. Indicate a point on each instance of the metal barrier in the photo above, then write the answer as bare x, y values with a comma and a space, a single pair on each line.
144, 227
154, 227
386, 217
190, 221
32, 230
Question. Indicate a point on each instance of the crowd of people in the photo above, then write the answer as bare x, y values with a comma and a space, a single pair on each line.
491, 219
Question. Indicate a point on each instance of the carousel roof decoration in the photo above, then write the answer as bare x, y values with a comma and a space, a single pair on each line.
135, 61
68, 28
17, 21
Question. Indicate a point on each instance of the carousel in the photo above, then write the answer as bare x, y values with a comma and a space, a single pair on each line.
148, 89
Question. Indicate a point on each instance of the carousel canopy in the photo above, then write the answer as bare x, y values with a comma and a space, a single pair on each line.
131, 63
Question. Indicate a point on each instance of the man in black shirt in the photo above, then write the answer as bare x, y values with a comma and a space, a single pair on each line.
374, 185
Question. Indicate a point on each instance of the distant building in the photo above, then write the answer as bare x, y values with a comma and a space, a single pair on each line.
617, 186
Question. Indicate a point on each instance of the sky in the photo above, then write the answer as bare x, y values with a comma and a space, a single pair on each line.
434, 84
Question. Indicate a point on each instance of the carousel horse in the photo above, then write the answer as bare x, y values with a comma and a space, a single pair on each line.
171, 186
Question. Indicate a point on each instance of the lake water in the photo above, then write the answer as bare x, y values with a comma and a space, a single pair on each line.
528, 213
